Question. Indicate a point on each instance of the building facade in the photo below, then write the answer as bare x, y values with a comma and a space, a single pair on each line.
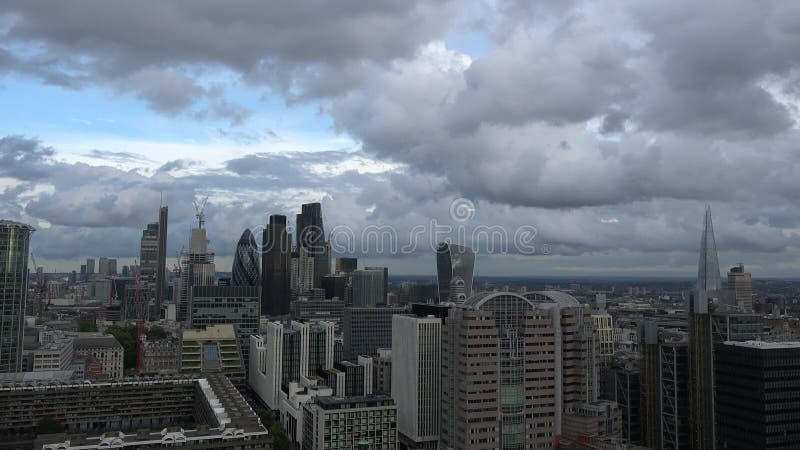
106, 350
197, 413
14, 251
454, 267
286, 353
511, 366
757, 395
162, 356
235, 305
416, 354
368, 287
740, 288
276, 267
212, 350
367, 329
246, 269
350, 423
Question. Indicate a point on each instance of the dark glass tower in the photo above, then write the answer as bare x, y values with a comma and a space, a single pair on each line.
454, 267
311, 236
14, 246
275, 267
245, 271
161, 258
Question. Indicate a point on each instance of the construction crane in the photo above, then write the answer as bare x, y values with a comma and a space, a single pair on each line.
199, 207
139, 324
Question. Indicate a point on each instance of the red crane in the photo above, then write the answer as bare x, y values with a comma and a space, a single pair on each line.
139, 324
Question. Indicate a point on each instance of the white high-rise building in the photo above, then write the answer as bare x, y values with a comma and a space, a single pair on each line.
287, 353
416, 381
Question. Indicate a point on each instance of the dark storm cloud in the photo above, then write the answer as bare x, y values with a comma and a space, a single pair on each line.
149, 51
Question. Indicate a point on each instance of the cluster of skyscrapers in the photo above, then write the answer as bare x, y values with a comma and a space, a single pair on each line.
322, 348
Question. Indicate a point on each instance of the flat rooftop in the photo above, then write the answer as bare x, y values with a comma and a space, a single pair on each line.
765, 345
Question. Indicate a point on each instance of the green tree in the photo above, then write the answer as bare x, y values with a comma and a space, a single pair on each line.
87, 326
280, 440
126, 336
49, 425
157, 333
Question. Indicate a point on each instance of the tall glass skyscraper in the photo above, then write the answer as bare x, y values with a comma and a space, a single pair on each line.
161, 257
14, 247
245, 271
454, 266
311, 237
275, 267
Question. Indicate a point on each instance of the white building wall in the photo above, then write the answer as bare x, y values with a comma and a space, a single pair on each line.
416, 362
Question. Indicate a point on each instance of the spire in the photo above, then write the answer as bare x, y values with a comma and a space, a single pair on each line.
708, 279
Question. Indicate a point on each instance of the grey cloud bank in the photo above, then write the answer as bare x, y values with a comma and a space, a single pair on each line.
574, 114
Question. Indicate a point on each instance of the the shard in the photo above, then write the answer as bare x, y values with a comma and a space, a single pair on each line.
708, 277
701, 354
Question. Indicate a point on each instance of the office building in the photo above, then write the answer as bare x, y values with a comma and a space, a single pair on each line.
348, 378
90, 266
603, 336
212, 350
197, 269
148, 255
350, 423
627, 394
291, 407
757, 395
334, 286
594, 420
416, 354
107, 266
246, 264
382, 371
454, 267
14, 251
736, 326
303, 272
740, 289
197, 413
664, 387
369, 287
701, 342
346, 266
55, 353
311, 237
106, 350
161, 260
286, 353
276, 267
367, 329
512, 365
235, 305
385, 271
304, 309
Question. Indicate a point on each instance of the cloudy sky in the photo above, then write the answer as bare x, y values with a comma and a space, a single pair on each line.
607, 125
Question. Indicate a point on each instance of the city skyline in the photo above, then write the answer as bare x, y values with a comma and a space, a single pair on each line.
610, 163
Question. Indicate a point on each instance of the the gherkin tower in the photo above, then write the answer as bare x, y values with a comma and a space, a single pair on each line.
245, 270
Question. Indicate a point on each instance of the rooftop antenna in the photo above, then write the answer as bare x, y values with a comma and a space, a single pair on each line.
199, 207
